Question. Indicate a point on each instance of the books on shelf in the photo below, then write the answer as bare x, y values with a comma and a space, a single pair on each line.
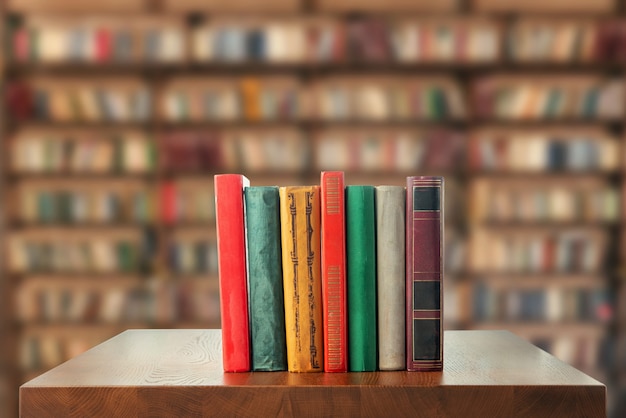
231, 99
493, 301
533, 250
98, 40
57, 250
251, 150
566, 40
192, 253
76, 201
566, 97
543, 200
386, 98
73, 151
63, 99
387, 150
544, 150
330, 40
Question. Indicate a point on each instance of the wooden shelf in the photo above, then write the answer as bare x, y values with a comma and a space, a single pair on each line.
175, 372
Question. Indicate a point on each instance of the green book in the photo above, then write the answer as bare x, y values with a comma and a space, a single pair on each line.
265, 279
361, 276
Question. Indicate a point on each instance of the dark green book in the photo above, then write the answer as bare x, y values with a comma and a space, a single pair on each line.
361, 263
265, 279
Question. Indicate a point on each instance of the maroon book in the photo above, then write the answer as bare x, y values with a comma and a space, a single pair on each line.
424, 273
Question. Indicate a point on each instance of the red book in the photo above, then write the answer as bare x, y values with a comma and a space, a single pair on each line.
231, 253
168, 202
424, 272
334, 272
21, 43
103, 45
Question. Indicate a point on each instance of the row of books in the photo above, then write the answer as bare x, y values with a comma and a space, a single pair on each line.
551, 304
330, 40
84, 203
540, 151
541, 251
323, 39
82, 254
582, 351
165, 304
307, 274
373, 98
98, 40
333, 98
281, 150
286, 149
102, 100
104, 303
193, 257
566, 40
544, 200
83, 152
521, 98
248, 98
187, 200
43, 352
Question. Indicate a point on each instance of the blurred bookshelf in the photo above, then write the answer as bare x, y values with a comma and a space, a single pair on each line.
117, 116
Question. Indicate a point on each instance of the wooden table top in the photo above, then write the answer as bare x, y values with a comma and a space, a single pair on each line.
164, 372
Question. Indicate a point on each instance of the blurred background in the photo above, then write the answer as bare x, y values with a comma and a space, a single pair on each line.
117, 114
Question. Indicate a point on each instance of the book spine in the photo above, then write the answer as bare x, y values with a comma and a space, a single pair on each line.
231, 250
390, 227
265, 279
424, 272
300, 238
168, 202
361, 275
334, 272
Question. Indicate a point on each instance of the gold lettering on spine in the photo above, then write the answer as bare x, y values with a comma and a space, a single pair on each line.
332, 195
311, 295
334, 316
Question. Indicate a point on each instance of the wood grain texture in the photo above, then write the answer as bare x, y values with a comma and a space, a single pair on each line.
179, 373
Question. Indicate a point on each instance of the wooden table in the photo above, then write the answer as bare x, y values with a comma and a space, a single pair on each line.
179, 373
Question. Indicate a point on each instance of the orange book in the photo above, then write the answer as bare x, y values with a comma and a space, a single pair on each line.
302, 279
251, 92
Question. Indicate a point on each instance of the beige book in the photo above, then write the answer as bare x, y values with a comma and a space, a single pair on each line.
172, 45
202, 44
371, 102
391, 281
53, 46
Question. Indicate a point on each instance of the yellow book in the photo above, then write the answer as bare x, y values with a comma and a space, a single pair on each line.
302, 280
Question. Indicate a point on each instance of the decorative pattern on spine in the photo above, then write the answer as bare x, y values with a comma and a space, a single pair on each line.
424, 273
300, 237
334, 272
231, 252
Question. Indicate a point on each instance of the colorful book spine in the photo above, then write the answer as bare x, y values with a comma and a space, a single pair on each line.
302, 283
424, 272
334, 272
361, 277
265, 279
168, 202
231, 251
390, 276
